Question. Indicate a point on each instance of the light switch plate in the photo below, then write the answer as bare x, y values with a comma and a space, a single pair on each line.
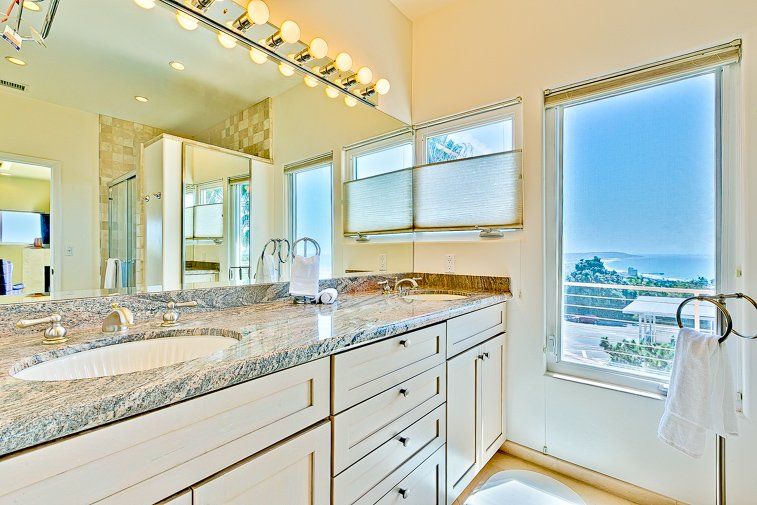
382, 262
69, 250
449, 263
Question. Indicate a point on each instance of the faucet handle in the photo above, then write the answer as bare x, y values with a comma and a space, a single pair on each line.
171, 317
385, 285
55, 334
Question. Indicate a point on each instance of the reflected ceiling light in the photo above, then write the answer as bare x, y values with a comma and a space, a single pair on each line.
350, 101
342, 62
186, 21
177, 65
16, 61
257, 13
227, 40
145, 4
363, 76
310, 81
258, 56
381, 87
286, 70
34, 6
331, 92
317, 49
289, 33
142, 99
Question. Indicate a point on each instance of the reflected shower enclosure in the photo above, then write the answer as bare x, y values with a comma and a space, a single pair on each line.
122, 226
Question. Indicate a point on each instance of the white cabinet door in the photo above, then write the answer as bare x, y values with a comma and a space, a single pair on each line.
492, 397
296, 472
462, 421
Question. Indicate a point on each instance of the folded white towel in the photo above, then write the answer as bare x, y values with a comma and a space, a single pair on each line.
701, 394
304, 276
112, 278
266, 270
327, 296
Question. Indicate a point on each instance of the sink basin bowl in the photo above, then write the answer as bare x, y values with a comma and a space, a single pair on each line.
126, 357
433, 297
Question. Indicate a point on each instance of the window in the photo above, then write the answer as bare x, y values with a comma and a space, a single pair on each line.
310, 207
383, 160
632, 206
20, 227
472, 134
240, 222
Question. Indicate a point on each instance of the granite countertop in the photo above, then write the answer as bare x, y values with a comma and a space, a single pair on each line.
273, 336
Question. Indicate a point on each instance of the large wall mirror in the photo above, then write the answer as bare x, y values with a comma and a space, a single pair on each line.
139, 152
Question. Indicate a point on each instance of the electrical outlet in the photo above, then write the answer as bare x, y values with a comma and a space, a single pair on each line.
69, 250
382, 262
449, 263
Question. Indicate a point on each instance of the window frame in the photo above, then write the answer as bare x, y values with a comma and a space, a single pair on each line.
375, 145
624, 380
292, 200
467, 120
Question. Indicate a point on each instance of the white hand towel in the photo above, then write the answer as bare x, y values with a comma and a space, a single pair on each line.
328, 296
112, 278
701, 394
304, 276
266, 270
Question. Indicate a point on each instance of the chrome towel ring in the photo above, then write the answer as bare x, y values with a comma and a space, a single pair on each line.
719, 302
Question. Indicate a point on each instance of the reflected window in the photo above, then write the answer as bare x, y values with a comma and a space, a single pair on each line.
310, 211
495, 137
20, 227
383, 160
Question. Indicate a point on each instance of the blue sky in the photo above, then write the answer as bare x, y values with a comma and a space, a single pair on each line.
639, 171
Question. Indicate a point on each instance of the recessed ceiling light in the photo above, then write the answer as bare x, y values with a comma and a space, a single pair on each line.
142, 99
177, 65
32, 6
16, 61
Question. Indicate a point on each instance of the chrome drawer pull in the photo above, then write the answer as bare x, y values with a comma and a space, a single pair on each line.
404, 441
405, 392
405, 343
404, 493
486, 355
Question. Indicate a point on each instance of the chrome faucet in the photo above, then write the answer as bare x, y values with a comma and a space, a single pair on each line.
118, 320
171, 317
55, 334
412, 281
385, 287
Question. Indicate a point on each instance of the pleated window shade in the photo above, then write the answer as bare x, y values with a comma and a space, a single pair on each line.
379, 204
482, 191
699, 61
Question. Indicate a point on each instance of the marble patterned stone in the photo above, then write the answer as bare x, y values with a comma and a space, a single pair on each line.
274, 334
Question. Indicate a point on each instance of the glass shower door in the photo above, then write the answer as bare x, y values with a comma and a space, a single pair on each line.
122, 228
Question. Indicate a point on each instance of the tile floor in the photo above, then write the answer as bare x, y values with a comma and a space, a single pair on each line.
501, 461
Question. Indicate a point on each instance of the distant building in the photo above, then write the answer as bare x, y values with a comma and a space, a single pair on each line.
632, 272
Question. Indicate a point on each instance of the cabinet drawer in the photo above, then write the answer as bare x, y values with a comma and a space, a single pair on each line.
151, 456
368, 425
465, 331
416, 443
371, 369
295, 472
423, 485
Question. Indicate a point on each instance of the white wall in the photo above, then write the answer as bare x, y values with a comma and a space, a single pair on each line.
501, 49
69, 137
374, 32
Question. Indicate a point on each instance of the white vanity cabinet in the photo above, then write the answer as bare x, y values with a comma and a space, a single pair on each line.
475, 398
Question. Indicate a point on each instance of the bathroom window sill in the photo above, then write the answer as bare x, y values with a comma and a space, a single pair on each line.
661, 395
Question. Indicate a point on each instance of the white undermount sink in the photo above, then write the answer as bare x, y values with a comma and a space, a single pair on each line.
433, 297
126, 357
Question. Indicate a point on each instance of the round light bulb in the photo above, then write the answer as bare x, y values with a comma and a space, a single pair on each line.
145, 4
382, 86
186, 21
310, 81
290, 31
227, 40
286, 70
257, 55
343, 62
331, 92
350, 101
257, 12
318, 48
364, 75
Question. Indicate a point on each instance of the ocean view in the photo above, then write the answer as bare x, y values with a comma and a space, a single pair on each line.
669, 266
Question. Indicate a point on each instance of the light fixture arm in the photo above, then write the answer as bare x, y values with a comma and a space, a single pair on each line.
221, 28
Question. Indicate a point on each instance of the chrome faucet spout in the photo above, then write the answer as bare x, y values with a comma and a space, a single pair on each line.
118, 320
398, 286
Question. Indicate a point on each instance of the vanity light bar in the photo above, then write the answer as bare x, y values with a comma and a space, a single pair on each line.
267, 46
